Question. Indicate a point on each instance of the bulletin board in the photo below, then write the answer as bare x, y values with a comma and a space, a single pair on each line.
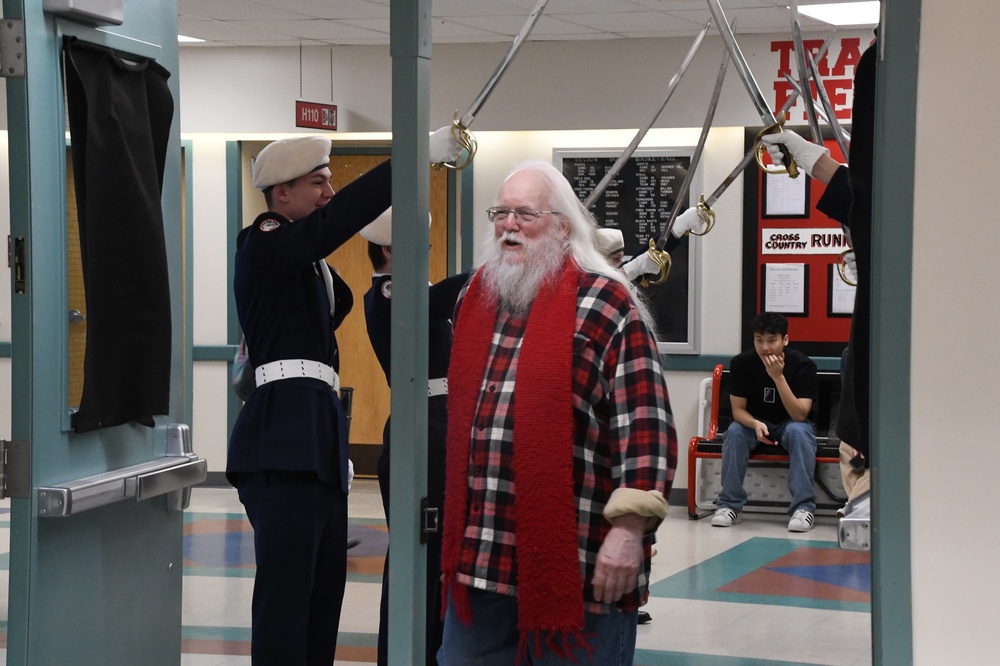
639, 201
790, 252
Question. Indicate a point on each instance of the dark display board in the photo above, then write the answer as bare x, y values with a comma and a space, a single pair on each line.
639, 201
802, 247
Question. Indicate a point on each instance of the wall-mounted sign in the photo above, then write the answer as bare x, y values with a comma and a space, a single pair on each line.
836, 68
315, 115
795, 240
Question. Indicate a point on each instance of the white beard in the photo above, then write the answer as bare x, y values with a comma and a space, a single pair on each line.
514, 284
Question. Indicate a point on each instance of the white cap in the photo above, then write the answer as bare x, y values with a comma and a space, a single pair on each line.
609, 241
380, 231
287, 159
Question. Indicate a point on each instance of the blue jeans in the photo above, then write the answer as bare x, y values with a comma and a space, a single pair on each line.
491, 639
795, 437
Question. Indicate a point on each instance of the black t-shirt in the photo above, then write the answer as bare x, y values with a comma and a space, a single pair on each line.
748, 379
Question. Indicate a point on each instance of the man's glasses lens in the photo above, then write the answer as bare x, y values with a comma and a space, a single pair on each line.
523, 214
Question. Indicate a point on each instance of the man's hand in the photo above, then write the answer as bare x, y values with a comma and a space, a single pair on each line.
775, 366
763, 434
443, 146
687, 221
851, 263
805, 153
619, 559
641, 265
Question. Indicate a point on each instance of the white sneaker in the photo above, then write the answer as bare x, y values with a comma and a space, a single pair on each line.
802, 521
725, 517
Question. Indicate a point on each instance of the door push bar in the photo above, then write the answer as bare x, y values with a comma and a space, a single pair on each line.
171, 475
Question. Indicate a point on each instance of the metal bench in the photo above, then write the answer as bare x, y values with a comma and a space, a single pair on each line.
766, 480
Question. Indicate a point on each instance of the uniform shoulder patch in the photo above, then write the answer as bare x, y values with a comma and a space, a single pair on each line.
268, 224
387, 288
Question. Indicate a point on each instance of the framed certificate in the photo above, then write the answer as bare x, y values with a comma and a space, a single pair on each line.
785, 197
784, 288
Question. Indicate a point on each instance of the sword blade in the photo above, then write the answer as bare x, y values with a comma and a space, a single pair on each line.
803, 72
698, 149
740, 63
738, 171
763, 110
831, 116
491, 83
630, 149
822, 113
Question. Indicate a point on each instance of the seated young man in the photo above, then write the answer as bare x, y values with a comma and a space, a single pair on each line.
772, 389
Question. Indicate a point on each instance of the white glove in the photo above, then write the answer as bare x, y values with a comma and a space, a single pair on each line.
851, 263
687, 221
805, 153
639, 266
350, 474
443, 147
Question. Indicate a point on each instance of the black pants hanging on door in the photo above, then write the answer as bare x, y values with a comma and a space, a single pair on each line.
120, 110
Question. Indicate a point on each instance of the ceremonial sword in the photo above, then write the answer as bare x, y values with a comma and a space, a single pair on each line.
637, 139
460, 126
705, 203
803, 70
831, 117
771, 124
656, 252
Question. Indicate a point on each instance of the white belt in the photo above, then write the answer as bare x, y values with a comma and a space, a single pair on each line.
437, 386
296, 367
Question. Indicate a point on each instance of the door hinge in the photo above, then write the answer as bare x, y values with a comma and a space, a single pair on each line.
15, 468
12, 56
429, 523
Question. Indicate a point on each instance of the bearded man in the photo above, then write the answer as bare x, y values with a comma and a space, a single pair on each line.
561, 444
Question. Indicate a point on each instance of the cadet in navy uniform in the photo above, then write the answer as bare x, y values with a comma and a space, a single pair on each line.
288, 450
378, 308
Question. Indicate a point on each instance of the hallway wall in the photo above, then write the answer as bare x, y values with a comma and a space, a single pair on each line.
554, 96
954, 355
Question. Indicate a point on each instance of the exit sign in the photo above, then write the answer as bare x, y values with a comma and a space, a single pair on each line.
316, 116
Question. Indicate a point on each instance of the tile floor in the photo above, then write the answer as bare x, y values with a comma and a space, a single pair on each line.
746, 595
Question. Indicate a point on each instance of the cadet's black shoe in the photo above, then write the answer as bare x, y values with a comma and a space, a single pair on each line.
644, 617
352, 542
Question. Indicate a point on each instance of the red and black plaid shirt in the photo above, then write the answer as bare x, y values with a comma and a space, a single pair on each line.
624, 438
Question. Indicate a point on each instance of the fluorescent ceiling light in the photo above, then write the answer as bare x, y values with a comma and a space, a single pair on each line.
185, 38
849, 13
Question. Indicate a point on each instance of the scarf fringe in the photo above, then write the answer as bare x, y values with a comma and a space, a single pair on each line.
561, 643
458, 594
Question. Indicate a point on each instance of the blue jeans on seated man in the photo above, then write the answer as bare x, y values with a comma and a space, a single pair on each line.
492, 638
795, 437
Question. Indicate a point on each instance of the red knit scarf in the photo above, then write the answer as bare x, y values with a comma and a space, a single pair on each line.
549, 588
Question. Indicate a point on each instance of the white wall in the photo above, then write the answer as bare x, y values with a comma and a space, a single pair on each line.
568, 94
955, 355
549, 86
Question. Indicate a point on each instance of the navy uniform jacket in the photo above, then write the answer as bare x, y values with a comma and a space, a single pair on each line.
441, 299
283, 308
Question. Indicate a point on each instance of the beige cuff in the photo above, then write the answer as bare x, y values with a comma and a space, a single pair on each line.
648, 503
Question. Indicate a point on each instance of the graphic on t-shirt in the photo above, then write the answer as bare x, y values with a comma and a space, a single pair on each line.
769, 394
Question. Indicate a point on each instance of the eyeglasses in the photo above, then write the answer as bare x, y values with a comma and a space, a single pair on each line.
522, 214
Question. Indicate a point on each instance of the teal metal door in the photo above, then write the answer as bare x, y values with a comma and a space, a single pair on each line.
95, 578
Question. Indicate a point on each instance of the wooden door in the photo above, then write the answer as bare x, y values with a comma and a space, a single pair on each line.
358, 366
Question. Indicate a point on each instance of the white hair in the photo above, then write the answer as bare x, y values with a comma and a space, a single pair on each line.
581, 233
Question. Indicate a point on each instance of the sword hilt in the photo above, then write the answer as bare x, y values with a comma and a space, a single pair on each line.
760, 148
661, 259
464, 138
706, 214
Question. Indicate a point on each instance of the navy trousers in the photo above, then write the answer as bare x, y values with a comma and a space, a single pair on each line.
300, 528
